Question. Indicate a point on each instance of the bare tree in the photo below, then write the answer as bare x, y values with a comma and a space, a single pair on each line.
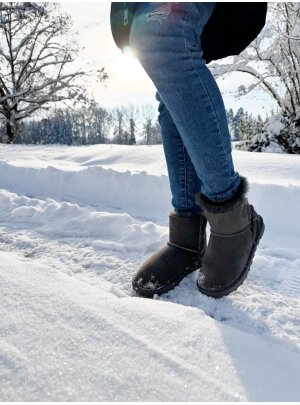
119, 132
98, 122
273, 59
132, 114
35, 57
147, 111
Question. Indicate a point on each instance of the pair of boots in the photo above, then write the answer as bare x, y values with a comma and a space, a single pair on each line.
223, 264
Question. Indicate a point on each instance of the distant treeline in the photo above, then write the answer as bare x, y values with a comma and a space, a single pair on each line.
125, 125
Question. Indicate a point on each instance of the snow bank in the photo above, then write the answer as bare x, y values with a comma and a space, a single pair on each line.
64, 219
93, 186
275, 183
259, 167
64, 340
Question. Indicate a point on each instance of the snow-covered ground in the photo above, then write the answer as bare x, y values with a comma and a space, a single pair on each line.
75, 224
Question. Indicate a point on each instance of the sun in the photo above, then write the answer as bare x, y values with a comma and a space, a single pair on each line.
129, 67
128, 51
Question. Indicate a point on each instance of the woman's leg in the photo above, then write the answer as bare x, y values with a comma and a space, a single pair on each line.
166, 38
184, 251
184, 182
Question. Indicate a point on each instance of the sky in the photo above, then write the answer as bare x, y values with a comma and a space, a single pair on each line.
128, 83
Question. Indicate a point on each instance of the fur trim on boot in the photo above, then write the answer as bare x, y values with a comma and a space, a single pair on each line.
224, 206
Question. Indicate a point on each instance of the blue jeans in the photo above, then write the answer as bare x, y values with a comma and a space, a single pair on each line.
196, 138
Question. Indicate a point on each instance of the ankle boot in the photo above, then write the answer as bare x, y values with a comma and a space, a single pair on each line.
182, 254
236, 229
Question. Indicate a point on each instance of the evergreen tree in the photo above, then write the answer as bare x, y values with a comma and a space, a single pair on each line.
230, 115
236, 122
248, 126
259, 124
280, 134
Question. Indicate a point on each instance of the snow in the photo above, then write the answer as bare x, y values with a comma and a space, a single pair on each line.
275, 126
273, 148
76, 222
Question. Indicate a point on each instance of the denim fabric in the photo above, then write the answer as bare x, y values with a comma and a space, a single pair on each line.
196, 139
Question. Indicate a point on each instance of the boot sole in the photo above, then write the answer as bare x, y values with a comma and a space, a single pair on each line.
243, 275
167, 287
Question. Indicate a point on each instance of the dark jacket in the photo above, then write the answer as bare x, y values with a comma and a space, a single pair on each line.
230, 29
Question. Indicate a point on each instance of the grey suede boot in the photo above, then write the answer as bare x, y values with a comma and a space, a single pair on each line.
182, 254
236, 229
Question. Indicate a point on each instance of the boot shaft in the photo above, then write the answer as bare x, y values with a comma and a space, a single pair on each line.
188, 232
231, 222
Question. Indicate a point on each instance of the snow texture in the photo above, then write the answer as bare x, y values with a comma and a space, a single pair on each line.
76, 223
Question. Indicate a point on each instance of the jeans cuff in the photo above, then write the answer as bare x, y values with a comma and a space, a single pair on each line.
229, 194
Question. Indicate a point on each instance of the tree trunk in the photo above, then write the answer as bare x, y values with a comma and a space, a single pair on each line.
9, 132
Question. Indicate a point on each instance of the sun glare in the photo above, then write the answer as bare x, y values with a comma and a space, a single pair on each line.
128, 51
129, 67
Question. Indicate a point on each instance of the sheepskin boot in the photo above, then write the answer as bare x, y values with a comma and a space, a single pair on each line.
182, 254
236, 229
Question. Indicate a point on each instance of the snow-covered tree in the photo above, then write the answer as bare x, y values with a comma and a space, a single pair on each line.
236, 123
279, 134
248, 126
259, 124
273, 61
273, 58
36, 51
230, 115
